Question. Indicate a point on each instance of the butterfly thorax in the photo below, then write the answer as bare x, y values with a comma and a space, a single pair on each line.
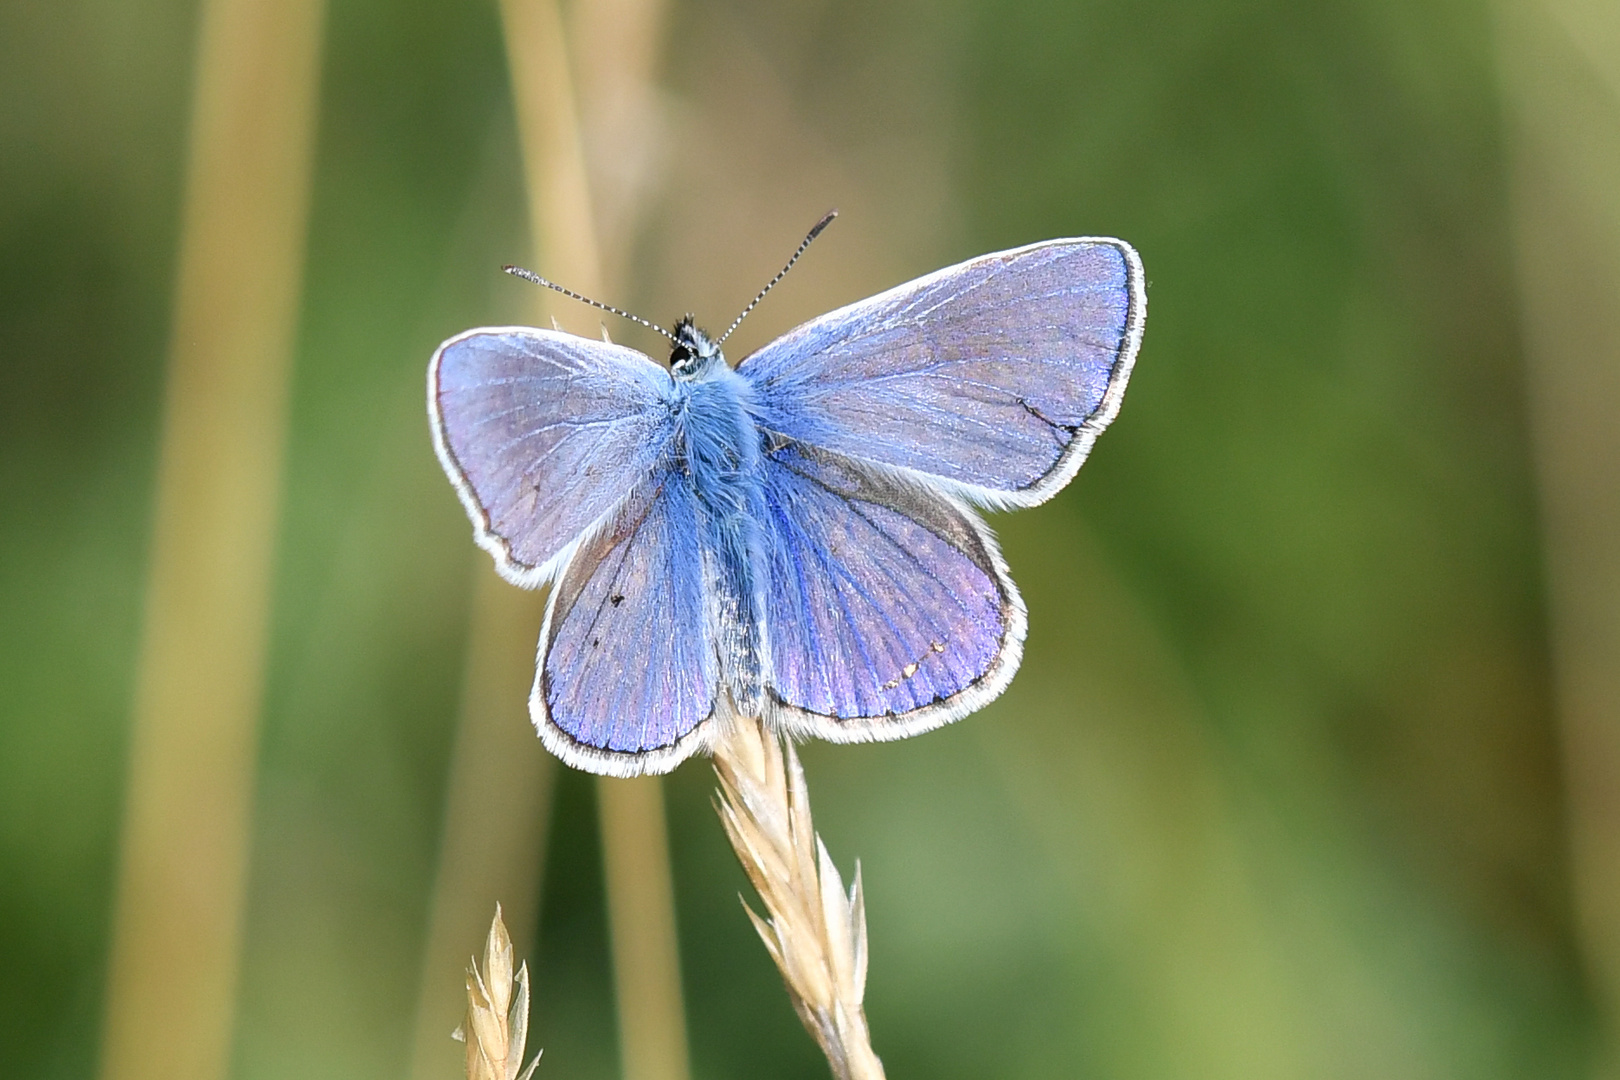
693, 355
718, 449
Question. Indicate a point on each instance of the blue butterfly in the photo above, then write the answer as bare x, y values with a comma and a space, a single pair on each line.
794, 538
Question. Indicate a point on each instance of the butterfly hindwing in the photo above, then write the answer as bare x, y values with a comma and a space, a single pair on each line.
542, 433
995, 375
890, 611
627, 671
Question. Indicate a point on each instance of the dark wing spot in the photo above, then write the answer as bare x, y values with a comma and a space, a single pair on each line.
617, 599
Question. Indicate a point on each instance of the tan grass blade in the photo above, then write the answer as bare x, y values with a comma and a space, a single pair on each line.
621, 40
497, 1025
172, 972
814, 931
496, 807
641, 922
499, 772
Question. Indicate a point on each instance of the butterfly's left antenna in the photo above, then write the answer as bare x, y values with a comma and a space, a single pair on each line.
815, 232
530, 275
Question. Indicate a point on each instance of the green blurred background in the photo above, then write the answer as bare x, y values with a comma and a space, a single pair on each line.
1279, 790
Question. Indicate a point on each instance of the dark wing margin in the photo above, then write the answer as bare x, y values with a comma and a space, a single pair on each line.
627, 675
890, 610
542, 433
994, 376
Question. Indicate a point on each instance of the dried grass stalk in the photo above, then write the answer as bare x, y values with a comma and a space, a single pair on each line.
497, 1012
814, 932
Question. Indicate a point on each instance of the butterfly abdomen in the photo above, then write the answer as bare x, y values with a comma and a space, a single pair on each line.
721, 458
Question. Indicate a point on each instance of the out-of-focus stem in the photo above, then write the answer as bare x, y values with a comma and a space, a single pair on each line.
494, 784
641, 917
652, 1025
496, 808
171, 985
1561, 59
560, 211
618, 45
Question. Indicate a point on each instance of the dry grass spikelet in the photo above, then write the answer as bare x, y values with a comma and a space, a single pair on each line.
497, 1024
812, 929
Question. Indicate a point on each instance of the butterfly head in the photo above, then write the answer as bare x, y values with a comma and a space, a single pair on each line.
693, 353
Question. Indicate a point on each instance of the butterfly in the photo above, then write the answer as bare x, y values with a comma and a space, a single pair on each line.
795, 538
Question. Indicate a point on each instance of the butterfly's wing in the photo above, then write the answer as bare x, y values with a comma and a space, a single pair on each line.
890, 610
542, 433
994, 376
627, 672
560, 448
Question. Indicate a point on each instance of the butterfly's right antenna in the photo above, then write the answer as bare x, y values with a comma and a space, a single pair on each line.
815, 232
530, 275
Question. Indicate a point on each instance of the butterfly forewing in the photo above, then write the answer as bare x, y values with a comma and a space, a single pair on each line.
994, 375
542, 433
627, 669
889, 610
